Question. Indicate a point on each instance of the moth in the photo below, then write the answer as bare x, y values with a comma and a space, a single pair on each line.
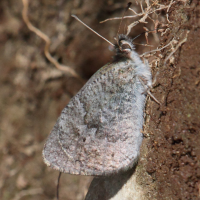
99, 131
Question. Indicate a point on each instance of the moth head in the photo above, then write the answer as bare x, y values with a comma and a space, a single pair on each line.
124, 46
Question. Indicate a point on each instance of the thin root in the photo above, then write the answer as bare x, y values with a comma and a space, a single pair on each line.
176, 48
47, 42
156, 49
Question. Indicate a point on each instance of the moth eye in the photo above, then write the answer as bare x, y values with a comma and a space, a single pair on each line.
125, 46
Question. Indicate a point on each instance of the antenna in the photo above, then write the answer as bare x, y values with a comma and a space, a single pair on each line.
92, 30
127, 7
58, 183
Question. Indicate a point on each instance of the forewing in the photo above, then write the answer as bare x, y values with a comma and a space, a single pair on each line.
99, 131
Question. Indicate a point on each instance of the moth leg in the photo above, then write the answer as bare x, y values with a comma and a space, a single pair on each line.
147, 89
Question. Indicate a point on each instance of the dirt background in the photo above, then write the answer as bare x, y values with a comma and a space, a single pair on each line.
33, 93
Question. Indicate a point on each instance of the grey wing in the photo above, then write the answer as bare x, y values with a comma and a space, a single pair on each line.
99, 131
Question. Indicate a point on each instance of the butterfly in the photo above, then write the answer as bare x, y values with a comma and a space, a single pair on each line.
99, 131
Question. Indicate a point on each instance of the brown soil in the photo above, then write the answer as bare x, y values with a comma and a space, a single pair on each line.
33, 93
174, 146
